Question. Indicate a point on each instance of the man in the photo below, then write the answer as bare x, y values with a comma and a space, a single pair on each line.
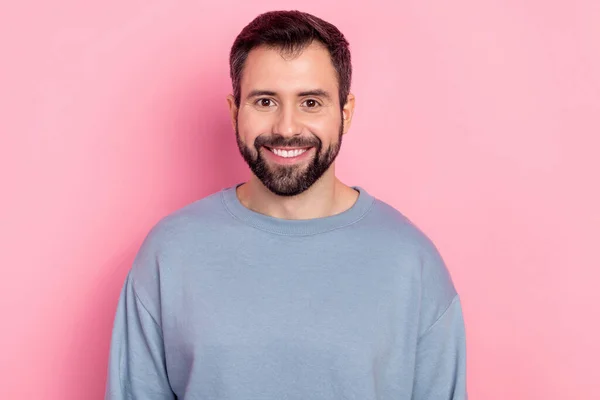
292, 285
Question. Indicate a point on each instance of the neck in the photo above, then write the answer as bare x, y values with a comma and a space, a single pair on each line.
326, 197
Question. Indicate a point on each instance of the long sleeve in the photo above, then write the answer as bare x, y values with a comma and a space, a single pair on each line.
441, 358
136, 368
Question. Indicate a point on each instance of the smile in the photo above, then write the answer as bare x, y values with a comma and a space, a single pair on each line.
287, 153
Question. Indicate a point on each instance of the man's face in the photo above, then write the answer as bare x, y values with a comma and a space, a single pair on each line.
289, 123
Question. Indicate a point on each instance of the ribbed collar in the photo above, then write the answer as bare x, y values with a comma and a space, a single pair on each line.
296, 227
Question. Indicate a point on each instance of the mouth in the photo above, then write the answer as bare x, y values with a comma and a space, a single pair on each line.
288, 155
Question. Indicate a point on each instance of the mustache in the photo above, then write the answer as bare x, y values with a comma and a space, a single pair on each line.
281, 141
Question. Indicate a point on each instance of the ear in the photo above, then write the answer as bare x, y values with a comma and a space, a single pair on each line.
233, 110
348, 112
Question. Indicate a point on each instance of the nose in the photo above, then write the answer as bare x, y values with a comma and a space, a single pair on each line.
287, 121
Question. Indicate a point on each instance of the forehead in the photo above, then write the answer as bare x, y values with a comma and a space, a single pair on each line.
267, 69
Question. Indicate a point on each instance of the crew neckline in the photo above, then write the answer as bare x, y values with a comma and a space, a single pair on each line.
283, 226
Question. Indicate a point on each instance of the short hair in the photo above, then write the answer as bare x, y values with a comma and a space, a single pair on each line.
291, 32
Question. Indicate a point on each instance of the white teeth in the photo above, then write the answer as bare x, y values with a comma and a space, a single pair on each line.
288, 153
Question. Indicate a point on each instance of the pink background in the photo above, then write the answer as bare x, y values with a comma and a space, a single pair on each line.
477, 119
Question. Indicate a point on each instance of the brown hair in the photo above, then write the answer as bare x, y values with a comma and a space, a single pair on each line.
291, 32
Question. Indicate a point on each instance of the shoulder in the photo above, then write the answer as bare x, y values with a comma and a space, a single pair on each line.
195, 220
413, 246
395, 228
176, 234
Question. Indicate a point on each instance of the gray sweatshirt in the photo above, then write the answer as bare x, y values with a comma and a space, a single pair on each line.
223, 302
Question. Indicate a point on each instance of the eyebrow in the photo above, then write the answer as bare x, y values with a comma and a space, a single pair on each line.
315, 92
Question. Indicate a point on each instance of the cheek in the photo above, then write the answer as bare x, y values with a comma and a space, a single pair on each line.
252, 125
326, 129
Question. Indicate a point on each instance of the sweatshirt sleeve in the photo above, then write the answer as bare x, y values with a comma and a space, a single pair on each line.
440, 372
136, 367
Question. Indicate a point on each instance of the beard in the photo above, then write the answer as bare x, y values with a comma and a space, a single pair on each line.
288, 180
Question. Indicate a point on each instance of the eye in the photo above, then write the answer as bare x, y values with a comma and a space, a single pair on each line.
312, 103
264, 102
